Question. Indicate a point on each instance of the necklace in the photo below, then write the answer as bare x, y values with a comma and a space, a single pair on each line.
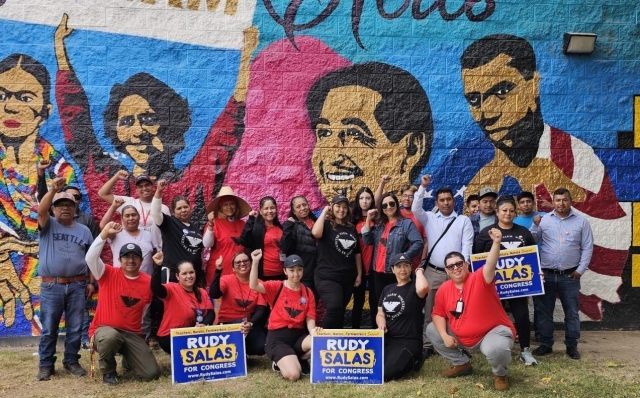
244, 302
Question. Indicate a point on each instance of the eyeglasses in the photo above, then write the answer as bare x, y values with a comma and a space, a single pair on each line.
459, 264
407, 196
388, 204
66, 204
240, 262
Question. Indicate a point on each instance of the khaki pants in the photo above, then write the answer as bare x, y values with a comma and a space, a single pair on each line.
109, 341
435, 278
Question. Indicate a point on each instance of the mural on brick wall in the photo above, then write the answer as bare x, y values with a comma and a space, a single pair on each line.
321, 98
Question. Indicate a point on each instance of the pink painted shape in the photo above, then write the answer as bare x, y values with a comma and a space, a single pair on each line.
274, 157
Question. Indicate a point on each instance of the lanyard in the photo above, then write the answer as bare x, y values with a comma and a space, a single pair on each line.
145, 217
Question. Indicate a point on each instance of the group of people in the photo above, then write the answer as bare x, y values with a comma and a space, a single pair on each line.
282, 280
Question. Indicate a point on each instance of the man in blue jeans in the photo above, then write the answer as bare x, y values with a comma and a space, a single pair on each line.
566, 246
65, 276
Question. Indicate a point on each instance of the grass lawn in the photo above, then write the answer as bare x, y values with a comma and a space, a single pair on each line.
556, 375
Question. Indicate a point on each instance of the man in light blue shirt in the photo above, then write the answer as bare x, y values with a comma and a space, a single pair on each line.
526, 205
446, 232
566, 246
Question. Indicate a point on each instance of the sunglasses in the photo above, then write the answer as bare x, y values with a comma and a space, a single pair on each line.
240, 262
459, 264
388, 204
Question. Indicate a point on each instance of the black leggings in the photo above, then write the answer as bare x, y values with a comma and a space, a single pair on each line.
519, 308
359, 294
380, 280
335, 295
400, 357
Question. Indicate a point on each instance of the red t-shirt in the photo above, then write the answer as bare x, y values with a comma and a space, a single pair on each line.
482, 310
238, 301
121, 301
381, 254
423, 233
271, 264
366, 250
293, 306
181, 308
223, 232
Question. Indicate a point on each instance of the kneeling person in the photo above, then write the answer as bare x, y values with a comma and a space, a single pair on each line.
468, 314
400, 316
293, 313
122, 297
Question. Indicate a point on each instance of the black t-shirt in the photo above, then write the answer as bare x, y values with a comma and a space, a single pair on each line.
337, 251
402, 308
512, 238
180, 242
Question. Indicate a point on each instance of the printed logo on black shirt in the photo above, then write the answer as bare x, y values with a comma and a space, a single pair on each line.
191, 241
345, 243
393, 305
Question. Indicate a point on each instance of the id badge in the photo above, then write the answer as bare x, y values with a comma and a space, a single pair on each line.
459, 306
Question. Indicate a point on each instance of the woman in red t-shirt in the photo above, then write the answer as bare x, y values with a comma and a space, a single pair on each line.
223, 230
185, 304
264, 231
292, 319
240, 304
362, 204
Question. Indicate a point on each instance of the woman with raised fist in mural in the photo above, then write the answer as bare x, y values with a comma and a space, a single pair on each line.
143, 131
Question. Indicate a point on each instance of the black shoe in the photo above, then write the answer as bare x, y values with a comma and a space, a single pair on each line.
573, 352
110, 378
45, 373
75, 369
426, 353
304, 365
274, 367
542, 350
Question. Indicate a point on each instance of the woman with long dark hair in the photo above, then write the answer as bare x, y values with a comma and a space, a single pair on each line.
185, 304
339, 267
263, 231
240, 304
391, 234
297, 237
364, 201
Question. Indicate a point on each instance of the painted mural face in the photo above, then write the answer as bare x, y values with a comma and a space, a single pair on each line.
500, 98
138, 128
21, 100
351, 148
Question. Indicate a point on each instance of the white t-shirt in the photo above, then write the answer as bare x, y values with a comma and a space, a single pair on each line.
145, 240
146, 222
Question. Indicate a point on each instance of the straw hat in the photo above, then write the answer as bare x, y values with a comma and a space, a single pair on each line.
227, 192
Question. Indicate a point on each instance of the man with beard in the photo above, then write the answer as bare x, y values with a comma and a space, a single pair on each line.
501, 85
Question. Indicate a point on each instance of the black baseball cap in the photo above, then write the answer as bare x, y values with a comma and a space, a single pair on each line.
399, 258
293, 261
143, 177
130, 248
339, 198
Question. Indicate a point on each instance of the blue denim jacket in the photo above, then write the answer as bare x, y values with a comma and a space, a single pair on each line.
403, 238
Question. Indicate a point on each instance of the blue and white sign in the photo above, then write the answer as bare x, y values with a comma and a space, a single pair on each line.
347, 357
207, 353
517, 272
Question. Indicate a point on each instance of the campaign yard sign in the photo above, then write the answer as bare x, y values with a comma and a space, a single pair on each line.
347, 357
517, 272
207, 353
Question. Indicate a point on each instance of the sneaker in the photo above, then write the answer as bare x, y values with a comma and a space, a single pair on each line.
500, 383
542, 350
274, 367
45, 373
573, 352
75, 369
458, 370
527, 358
110, 378
153, 344
85, 346
304, 365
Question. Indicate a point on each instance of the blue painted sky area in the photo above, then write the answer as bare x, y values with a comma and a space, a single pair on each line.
590, 97
204, 76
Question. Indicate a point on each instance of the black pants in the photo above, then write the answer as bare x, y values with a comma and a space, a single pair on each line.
359, 294
519, 308
400, 357
335, 295
380, 280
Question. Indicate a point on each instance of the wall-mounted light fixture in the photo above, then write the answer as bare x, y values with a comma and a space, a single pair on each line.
579, 43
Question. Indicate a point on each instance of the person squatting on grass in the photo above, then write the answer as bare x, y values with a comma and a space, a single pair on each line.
293, 313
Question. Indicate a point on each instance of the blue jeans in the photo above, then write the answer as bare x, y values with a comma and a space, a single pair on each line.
56, 298
86, 320
568, 290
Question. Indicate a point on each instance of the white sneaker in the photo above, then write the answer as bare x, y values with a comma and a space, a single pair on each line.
527, 358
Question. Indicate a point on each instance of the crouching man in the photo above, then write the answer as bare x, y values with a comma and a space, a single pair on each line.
468, 315
123, 295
